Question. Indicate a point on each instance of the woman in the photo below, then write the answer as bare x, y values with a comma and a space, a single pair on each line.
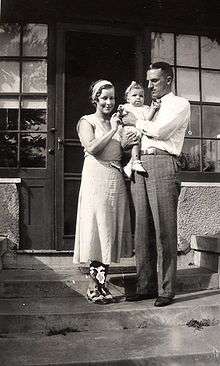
103, 217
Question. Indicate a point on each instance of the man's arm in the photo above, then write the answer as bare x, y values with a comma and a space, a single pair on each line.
169, 119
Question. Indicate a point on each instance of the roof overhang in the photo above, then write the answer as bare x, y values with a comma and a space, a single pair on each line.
195, 14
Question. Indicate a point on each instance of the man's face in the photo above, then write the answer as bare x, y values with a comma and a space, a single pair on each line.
159, 83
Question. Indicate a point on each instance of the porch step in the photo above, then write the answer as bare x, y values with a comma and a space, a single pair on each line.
54, 316
64, 260
150, 347
72, 283
62, 328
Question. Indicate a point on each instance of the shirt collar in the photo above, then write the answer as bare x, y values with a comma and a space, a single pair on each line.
166, 96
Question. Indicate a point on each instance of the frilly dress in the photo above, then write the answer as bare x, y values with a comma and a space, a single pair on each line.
103, 227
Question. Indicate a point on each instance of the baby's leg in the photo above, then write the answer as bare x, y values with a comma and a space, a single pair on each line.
135, 152
136, 162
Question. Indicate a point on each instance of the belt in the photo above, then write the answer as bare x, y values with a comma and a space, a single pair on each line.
154, 151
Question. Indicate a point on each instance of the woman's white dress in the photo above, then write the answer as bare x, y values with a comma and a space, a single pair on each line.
103, 227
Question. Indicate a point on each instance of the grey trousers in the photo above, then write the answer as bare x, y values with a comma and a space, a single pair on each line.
156, 196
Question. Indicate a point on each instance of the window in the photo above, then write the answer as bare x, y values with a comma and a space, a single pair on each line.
196, 63
23, 96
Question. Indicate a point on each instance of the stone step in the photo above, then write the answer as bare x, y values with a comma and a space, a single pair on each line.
64, 260
55, 260
207, 243
68, 283
160, 347
49, 316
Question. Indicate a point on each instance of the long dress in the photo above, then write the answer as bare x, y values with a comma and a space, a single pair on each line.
103, 227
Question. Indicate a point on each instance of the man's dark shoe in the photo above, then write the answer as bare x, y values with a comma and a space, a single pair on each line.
140, 297
163, 301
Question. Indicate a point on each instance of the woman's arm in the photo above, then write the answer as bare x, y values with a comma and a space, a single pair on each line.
87, 136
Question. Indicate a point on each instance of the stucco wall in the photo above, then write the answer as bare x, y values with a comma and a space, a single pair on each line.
198, 212
9, 212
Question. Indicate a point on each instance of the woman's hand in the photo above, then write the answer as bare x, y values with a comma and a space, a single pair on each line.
115, 121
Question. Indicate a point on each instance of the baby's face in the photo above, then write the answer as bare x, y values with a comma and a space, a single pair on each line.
136, 97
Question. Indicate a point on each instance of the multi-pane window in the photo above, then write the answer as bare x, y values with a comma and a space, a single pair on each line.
196, 63
23, 95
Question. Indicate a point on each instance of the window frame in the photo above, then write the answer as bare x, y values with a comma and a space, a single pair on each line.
200, 175
21, 95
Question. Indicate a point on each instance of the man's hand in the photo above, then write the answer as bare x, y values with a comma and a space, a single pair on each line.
129, 140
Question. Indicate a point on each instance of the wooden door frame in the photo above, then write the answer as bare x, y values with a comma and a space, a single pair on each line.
142, 39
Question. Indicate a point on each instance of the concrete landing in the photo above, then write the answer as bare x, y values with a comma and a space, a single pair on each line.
68, 283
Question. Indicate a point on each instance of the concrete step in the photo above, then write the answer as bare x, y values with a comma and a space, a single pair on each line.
72, 282
49, 316
179, 346
58, 260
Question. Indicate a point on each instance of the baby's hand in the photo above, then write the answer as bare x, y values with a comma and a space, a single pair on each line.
156, 104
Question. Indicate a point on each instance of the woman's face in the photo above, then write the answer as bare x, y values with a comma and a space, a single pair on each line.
106, 101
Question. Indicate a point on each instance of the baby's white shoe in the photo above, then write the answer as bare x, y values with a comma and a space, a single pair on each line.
128, 169
138, 167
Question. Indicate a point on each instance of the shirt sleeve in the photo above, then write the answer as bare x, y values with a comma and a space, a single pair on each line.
169, 119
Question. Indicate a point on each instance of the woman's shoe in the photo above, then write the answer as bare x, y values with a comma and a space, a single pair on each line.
95, 296
98, 272
106, 293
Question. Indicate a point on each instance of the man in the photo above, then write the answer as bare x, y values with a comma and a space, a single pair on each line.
156, 194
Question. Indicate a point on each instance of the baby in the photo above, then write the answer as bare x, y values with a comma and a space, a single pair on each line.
134, 96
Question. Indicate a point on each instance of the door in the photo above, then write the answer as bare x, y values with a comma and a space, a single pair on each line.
85, 56
26, 137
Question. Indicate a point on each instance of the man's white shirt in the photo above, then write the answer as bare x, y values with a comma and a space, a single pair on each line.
166, 130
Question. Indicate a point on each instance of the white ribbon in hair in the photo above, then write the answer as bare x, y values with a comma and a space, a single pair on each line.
131, 86
98, 85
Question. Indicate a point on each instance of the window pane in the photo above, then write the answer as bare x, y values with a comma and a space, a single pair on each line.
9, 76
193, 128
187, 50
35, 40
8, 150
9, 113
34, 115
162, 47
210, 53
210, 86
211, 121
188, 84
211, 156
190, 157
34, 77
33, 150
8, 119
9, 39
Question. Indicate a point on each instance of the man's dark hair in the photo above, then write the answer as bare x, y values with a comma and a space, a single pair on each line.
164, 66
